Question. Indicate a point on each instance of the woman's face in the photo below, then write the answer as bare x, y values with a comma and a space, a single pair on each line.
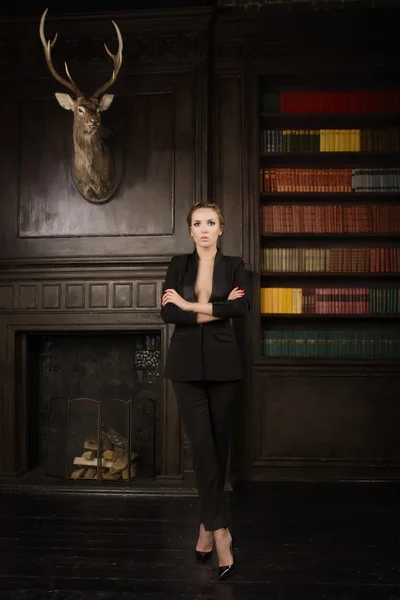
205, 228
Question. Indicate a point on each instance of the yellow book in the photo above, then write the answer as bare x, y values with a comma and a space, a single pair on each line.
275, 303
299, 301
269, 308
283, 300
337, 140
328, 140
328, 137
342, 140
267, 300
350, 140
358, 140
280, 301
289, 303
346, 140
353, 140
288, 300
322, 140
262, 300
332, 135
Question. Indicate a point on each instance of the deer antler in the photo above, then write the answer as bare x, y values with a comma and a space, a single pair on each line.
47, 46
117, 60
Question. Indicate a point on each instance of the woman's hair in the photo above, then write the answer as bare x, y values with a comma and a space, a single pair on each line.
213, 207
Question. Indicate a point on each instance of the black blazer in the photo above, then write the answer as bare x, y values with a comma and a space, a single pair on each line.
207, 351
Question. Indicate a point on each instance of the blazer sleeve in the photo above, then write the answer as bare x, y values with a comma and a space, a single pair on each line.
228, 309
170, 313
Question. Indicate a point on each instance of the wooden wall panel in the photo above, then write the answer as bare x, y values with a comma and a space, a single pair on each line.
303, 417
158, 140
228, 159
319, 420
51, 206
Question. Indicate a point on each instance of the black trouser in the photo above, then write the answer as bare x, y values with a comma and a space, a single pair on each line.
207, 409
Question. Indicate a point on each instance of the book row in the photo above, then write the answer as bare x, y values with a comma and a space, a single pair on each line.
330, 301
330, 260
291, 101
331, 344
330, 140
329, 219
329, 180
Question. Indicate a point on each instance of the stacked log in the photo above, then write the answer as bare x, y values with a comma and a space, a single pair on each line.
114, 460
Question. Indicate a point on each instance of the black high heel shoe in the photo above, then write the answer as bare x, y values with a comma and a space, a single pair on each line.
202, 557
224, 572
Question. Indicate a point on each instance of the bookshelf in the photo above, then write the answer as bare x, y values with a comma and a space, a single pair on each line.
328, 225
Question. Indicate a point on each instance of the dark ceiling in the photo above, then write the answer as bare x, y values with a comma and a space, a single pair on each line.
36, 8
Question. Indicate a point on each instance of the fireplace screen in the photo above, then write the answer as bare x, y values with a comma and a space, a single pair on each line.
98, 441
94, 406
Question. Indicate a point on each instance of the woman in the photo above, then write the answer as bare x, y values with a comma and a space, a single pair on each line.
202, 292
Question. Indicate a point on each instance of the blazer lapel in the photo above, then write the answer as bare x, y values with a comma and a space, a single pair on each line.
189, 281
219, 281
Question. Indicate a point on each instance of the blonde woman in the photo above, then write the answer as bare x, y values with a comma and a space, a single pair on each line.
203, 291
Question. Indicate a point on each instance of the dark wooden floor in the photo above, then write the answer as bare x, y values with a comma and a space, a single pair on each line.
294, 541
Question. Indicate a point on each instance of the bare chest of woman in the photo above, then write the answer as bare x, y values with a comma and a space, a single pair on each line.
203, 286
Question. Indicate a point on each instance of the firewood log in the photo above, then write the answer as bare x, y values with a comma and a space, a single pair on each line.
108, 454
91, 444
114, 437
110, 475
133, 472
106, 443
90, 473
78, 473
122, 461
78, 460
89, 454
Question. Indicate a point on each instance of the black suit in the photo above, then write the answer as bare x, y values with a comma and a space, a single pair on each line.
205, 366
209, 351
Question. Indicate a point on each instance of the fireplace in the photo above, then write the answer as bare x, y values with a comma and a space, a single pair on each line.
92, 406
78, 358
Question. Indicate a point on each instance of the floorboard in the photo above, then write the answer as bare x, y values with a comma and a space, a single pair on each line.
331, 541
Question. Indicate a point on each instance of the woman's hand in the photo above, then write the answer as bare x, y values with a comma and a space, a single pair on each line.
236, 293
174, 298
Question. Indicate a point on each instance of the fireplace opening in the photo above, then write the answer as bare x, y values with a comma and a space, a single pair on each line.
92, 407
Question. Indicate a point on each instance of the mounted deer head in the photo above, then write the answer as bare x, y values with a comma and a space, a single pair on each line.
93, 162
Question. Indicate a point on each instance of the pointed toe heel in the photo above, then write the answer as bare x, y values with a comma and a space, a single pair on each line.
225, 572
202, 557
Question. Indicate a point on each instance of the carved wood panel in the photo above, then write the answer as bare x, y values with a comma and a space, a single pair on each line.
82, 295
